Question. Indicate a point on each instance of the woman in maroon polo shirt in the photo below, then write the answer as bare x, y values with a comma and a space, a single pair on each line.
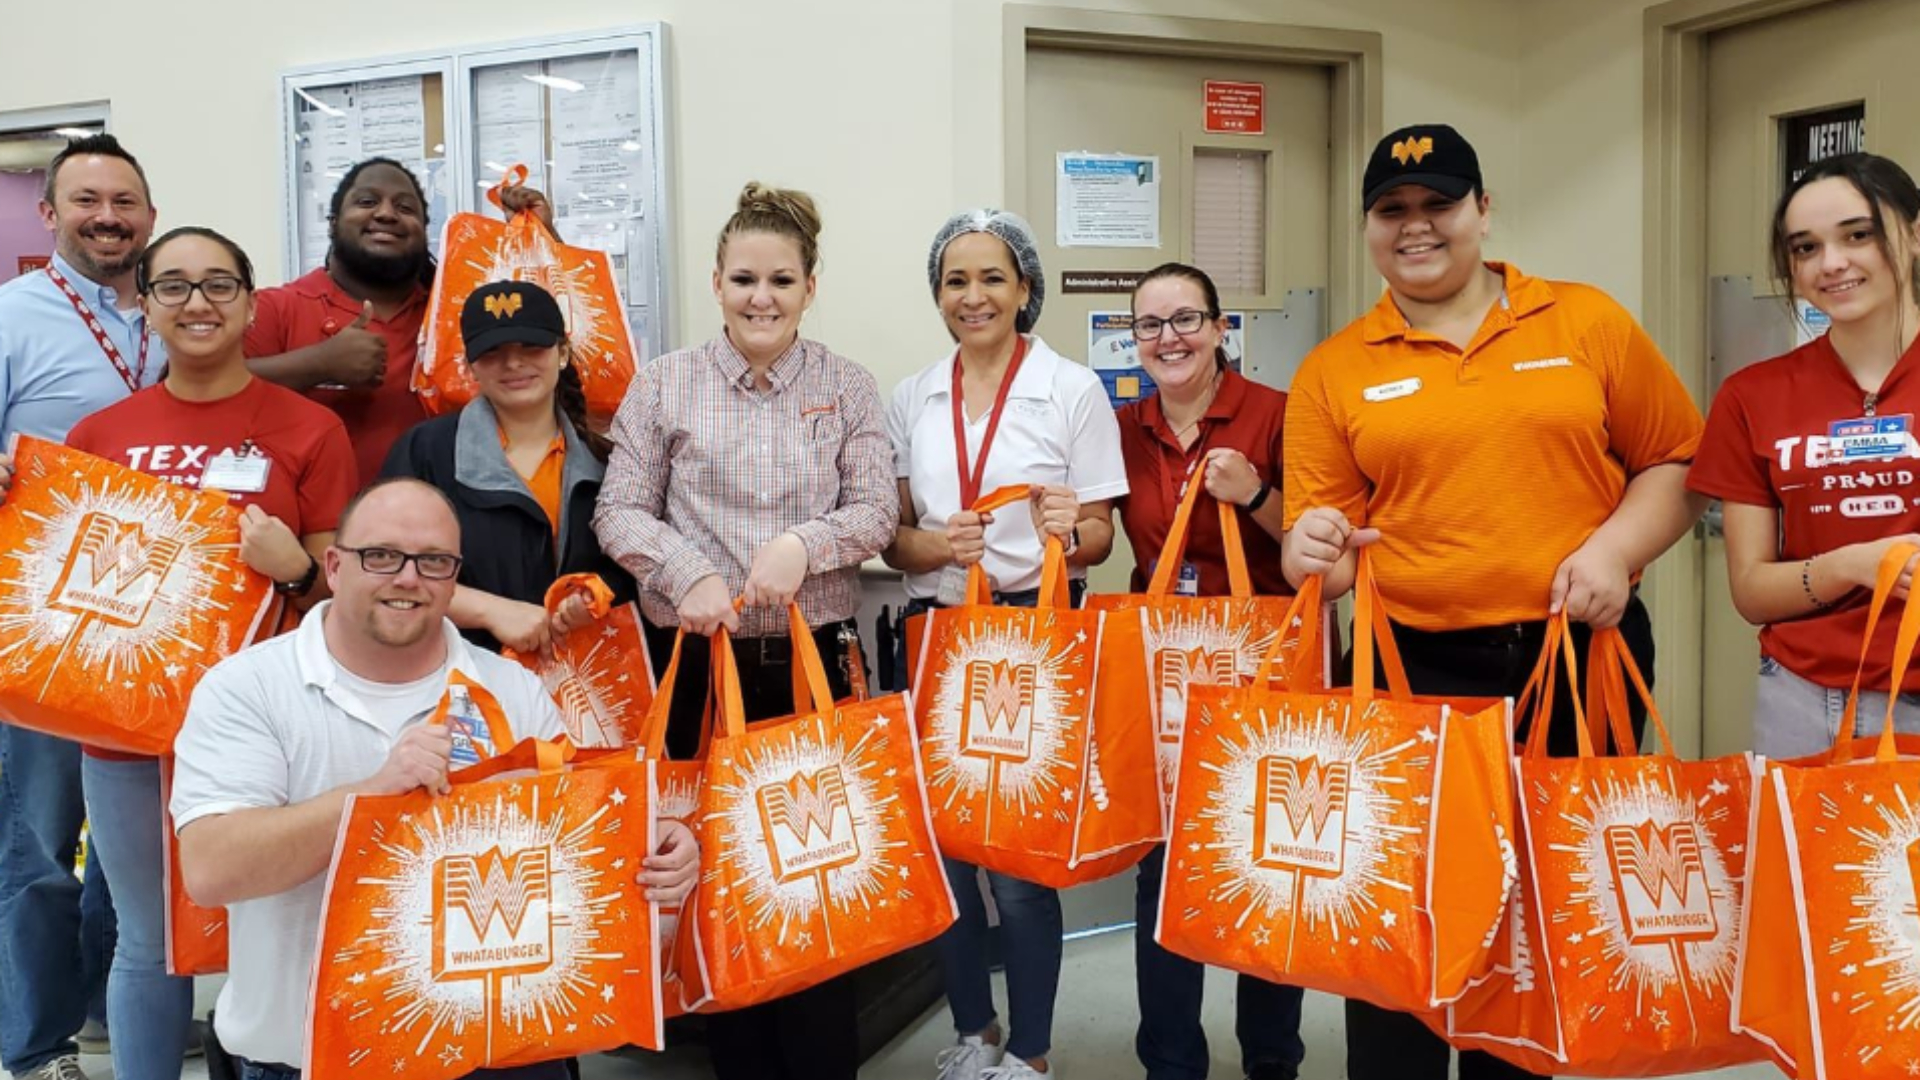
1206, 424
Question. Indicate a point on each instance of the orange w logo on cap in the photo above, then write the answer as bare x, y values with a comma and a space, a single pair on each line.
1412, 148
503, 305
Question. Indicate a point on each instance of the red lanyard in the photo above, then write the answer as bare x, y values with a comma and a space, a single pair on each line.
970, 479
131, 378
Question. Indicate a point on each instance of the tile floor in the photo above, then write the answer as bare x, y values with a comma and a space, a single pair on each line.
1092, 1032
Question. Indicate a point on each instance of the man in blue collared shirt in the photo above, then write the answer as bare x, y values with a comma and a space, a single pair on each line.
72, 341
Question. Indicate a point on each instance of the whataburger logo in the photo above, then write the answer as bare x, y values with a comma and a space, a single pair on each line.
1414, 149
998, 720
1177, 669
492, 914
1300, 815
808, 823
118, 550
1660, 876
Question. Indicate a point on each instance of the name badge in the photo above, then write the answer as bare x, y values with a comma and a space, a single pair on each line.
1189, 583
1389, 391
242, 472
1869, 437
952, 590
472, 739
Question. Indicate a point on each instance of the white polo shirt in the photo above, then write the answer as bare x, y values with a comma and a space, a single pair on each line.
1059, 429
276, 725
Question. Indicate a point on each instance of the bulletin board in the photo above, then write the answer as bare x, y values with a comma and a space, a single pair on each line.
584, 112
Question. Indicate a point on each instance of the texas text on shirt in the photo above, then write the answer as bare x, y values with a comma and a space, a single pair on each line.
1795, 433
1483, 470
1058, 429
311, 309
52, 370
277, 725
709, 468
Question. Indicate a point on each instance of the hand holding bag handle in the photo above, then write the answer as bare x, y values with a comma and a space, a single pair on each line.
1239, 581
1054, 592
589, 587
514, 177
1885, 578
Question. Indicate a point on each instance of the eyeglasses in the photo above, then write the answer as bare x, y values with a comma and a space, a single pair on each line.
1184, 321
173, 292
432, 565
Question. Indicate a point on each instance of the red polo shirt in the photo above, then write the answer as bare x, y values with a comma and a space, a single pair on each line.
1245, 416
1772, 441
311, 309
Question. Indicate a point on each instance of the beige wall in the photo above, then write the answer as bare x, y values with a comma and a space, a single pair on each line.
889, 111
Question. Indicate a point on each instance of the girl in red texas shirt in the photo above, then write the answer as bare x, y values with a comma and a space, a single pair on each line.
1814, 454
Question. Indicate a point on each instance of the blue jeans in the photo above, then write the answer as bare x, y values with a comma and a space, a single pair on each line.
547, 1070
1794, 717
1030, 930
149, 1011
55, 934
1170, 1040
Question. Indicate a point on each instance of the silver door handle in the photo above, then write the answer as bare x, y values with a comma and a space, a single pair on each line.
1713, 524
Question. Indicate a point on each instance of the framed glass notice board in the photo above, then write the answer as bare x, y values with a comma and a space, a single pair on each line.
585, 114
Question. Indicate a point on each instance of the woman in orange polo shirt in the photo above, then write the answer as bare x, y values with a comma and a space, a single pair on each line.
1813, 454
522, 469
1512, 447
1205, 424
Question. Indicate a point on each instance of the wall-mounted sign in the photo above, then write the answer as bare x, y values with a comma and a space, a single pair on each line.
1100, 281
1817, 136
1107, 200
1236, 108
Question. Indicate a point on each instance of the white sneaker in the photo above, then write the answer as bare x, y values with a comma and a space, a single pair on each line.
969, 1059
1013, 1068
61, 1068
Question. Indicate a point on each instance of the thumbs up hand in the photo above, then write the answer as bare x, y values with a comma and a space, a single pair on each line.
356, 356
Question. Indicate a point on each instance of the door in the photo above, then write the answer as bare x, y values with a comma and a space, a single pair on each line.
1781, 91
1250, 209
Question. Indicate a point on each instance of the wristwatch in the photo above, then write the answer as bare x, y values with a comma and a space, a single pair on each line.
304, 584
1259, 498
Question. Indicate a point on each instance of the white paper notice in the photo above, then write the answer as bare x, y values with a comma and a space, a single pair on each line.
1107, 200
609, 94
595, 172
507, 94
393, 120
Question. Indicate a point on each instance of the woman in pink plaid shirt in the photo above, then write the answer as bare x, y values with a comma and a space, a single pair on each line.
755, 466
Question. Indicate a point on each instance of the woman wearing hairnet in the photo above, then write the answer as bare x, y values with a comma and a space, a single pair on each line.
1003, 408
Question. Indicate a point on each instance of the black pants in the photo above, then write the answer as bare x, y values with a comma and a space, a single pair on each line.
1483, 662
814, 1034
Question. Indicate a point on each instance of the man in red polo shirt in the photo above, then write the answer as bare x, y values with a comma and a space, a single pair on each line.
345, 335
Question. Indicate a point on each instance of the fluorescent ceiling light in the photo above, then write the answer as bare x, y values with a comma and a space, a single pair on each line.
74, 132
317, 103
495, 166
556, 83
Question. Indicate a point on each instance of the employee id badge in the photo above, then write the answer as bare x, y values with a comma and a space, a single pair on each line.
952, 590
472, 739
237, 472
1869, 437
1189, 583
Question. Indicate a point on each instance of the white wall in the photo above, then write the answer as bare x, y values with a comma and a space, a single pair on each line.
888, 111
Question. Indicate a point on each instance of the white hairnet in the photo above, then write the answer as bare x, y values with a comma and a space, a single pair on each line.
1013, 230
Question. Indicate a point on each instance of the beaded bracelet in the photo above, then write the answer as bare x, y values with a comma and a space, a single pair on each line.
1806, 584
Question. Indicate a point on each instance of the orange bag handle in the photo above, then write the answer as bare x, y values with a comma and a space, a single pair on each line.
1884, 579
1371, 629
1053, 563
810, 687
598, 596
653, 738
514, 177
483, 700
1608, 658
1903, 648
548, 757
1556, 650
1239, 581
1305, 607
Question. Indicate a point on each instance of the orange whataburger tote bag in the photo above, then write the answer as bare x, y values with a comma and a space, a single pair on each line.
1340, 841
599, 675
817, 855
117, 592
683, 986
1198, 641
497, 925
1835, 855
1036, 731
1629, 918
196, 936
476, 250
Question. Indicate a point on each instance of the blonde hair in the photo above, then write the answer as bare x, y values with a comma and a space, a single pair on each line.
780, 211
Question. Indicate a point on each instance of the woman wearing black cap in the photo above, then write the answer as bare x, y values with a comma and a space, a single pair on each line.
522, 469
1511, 447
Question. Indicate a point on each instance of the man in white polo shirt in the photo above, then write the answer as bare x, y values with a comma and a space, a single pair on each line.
278, 736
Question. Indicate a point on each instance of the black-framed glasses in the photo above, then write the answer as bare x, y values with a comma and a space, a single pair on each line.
173, 292
1184, 321
432, 565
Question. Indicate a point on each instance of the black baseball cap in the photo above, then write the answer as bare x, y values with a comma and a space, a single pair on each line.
508, 312
1430, 155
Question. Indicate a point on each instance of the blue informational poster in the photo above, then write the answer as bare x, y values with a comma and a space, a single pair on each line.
1114, 355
